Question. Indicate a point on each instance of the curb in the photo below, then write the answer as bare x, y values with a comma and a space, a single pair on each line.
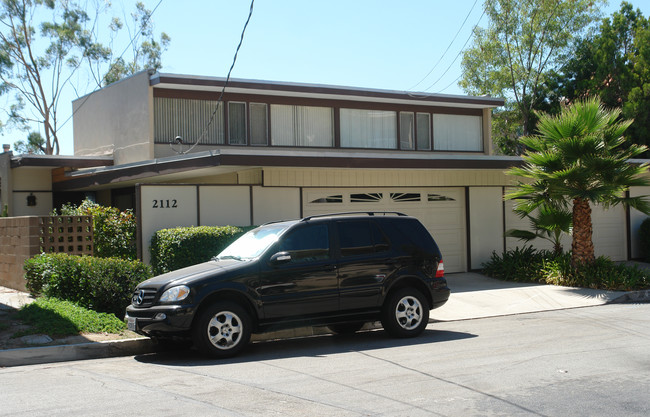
632, 297
64, 353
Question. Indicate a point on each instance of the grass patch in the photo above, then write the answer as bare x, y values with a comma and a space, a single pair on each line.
530, 265
56, 317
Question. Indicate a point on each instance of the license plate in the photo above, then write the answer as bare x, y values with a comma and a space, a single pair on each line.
130, 323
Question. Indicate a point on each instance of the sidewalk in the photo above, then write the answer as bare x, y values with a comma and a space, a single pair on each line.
473, 296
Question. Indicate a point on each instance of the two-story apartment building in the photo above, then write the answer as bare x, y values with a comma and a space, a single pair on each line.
268, 151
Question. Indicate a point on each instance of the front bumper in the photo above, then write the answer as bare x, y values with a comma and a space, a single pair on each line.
163, 321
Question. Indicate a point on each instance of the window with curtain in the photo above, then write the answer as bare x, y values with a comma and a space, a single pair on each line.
259, 125
368, 129
237, 123
302, 125
453, 132
406, 130
188, 119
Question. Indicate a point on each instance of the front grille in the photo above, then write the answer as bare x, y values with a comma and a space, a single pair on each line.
143, 297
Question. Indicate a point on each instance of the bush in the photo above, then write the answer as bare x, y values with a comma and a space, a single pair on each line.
530, 265
114, 230
100, 284
521, 264
179, 247
644, 239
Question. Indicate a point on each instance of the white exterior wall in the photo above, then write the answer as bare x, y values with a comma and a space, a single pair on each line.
116, 120
271, 204
28, 181
486, 223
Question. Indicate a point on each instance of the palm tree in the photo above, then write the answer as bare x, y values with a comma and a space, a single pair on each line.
578, 159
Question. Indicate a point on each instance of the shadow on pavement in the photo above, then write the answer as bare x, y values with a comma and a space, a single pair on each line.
313, 346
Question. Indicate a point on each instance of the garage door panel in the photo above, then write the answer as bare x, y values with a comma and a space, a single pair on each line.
441, 211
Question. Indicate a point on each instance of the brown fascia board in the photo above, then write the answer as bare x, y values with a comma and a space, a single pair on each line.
160, 80
56, 161
146, 169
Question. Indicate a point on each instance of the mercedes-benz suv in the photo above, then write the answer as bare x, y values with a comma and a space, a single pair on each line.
338, 270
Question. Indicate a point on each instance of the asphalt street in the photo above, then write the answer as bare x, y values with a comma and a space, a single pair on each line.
592, 361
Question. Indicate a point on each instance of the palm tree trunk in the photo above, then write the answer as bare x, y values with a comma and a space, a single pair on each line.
582, 244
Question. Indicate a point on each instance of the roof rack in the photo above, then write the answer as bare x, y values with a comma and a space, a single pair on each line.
350, 213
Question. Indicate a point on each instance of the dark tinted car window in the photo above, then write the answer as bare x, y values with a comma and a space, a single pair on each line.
306, 244
360, 237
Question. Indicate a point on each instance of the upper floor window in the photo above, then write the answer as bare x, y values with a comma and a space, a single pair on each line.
236, 123
188, 119
452, 132
368, 129
259, 124
302, 125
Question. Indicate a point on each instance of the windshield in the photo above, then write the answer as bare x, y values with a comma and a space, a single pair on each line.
253, 243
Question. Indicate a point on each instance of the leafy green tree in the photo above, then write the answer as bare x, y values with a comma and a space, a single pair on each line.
45, 45
524, 40
614, 64
34, 144
145, 55
576, 160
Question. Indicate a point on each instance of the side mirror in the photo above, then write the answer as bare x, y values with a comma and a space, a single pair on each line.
280, 258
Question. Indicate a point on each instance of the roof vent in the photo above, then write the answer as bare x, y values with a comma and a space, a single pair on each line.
6, 147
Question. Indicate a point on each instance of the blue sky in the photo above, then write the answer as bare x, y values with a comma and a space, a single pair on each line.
359, 43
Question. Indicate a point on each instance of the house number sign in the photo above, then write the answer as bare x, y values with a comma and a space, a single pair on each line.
164, 204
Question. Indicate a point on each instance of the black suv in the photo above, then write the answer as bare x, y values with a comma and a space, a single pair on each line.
340, 270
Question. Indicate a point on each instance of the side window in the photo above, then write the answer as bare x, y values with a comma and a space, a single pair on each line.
306, 244
360, 238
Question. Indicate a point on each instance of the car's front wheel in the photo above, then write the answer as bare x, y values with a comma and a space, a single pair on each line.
405, 313
222, 330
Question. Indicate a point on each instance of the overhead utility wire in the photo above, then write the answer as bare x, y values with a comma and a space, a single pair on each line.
138, 33
450, 65
459, 52
223, 90
449, 46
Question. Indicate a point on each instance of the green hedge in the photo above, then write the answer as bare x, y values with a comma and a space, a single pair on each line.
179, 247
100, 284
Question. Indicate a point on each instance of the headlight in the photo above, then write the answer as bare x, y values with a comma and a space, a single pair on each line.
175, 294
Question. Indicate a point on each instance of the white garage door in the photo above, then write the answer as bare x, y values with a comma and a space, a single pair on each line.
441, 210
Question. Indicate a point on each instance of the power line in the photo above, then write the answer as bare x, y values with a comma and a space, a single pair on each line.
449, 46
223, 90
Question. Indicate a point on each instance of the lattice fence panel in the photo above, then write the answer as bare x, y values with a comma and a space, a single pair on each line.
67, 234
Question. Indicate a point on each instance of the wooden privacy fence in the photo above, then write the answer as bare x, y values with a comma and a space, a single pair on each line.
24, 237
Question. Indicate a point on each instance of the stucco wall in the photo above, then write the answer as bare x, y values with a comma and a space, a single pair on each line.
31, 181
116, 120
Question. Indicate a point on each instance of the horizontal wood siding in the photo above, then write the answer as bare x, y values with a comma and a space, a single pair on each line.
305, 177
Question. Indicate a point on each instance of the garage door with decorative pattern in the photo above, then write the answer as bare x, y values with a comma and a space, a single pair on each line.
441, 210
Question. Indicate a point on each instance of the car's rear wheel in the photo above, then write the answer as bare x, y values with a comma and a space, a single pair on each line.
222, 330
405, 313
346, 328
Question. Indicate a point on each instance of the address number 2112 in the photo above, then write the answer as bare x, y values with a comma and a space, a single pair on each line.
164, 204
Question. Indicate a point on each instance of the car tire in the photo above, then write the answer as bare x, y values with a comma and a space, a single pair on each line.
222, 330
405, 313
346, 328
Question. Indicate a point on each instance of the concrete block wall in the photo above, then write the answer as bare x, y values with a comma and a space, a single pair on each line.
19, 241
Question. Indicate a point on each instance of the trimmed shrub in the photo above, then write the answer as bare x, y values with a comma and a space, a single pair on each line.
100, 284
644, 239
179, 247
114, 230
521, 264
